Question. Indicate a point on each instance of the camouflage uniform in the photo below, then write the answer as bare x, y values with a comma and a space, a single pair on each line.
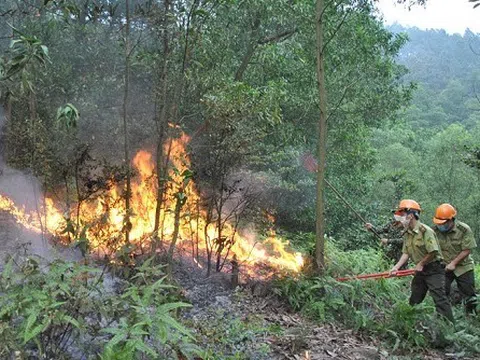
452, 243
418, 242
394, 234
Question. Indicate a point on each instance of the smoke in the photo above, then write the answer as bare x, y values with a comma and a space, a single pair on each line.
25, 191
21, 188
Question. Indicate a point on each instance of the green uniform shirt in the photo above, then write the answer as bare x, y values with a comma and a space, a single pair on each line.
394, 234
420, 241
452, 243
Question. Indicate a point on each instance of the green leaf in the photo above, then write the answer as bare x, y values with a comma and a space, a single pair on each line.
172, 306
31, 333
44, 50
72, 321
56, 304
140, 346
201, 12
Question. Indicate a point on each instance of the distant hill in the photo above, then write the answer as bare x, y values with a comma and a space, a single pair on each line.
447, 70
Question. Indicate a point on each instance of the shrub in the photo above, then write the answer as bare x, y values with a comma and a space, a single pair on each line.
65, 310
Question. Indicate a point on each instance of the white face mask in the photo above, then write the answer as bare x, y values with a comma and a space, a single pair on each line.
402, 219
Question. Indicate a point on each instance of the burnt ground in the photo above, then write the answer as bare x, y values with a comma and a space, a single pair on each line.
248, 322
251, 322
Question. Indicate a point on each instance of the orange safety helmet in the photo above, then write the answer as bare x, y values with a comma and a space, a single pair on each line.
407, 204
444, 213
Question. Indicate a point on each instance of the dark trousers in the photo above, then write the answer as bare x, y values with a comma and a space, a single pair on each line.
466, 287
432, 279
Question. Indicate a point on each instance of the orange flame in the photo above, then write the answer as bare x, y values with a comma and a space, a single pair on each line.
103, 218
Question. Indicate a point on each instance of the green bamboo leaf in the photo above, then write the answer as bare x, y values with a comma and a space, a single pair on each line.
167, 321
140, 346
172, 306
118, 338
30, 321
56, 304
72, 321
33, 333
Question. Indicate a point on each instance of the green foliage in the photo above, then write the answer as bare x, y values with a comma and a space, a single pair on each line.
65, 308
26, 52
250, 95
68, 116
377, 307
445, 158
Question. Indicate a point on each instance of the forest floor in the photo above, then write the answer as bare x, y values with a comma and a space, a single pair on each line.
254, 322
248, 322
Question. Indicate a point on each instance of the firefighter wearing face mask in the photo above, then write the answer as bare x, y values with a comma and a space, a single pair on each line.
421, 245
456, 242
392, 239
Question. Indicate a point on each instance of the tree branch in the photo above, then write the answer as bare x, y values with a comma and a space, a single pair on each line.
284, 35
337, 29
277, 37
326, 7
250, 50
339, 103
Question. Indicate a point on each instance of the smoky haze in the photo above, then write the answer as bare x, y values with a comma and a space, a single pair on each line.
25, 191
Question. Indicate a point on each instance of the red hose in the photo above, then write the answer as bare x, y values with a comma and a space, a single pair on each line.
382, 275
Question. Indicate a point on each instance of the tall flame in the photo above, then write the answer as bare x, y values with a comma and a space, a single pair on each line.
103, 218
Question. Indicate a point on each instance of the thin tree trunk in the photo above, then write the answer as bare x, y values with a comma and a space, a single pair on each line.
79, 201
67, 203
198, 221
37, 209
191, 235
245, 61
162, 121
220, 245
125, 128
172, 112
33, 160
158, 206
208, 245
322, 142
178, 209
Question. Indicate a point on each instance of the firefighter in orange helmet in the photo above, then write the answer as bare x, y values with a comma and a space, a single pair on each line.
421, 245
456, 242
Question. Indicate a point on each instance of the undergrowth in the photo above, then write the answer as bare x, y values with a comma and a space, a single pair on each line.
228, 337
69, 311
378, 307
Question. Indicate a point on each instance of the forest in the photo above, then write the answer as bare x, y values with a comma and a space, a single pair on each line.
189, 179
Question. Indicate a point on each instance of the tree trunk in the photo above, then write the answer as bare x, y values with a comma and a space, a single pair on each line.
322, 142
79, 200
67, 203
158, 206
178, 209
252, 45
197, 230
220, 242
125, 128
162, 119
208, 244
